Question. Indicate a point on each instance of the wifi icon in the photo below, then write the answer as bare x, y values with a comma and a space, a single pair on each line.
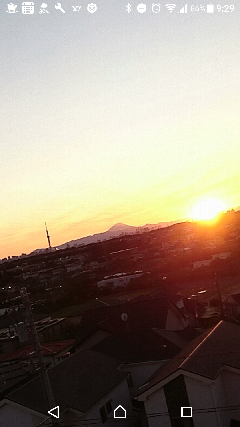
170, 7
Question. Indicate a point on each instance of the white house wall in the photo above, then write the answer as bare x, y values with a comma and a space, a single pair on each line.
223, 392
231, 383
156, 407
11, 416
202, 397
220, 400
118, 396
140, 374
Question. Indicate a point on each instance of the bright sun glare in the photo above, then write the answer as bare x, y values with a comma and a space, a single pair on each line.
207, 209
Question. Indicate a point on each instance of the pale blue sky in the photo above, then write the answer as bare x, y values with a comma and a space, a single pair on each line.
114, 117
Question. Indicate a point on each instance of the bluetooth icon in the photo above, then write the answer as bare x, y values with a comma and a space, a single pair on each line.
128, 8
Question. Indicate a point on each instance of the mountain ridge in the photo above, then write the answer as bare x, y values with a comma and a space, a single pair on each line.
116, 230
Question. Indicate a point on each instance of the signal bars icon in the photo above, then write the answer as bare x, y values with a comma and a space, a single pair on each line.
184, 9
170, 7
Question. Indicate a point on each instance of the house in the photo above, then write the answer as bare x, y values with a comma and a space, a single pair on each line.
73, 314
141, 352
232, 305
8, 343
221, 255
193, 309
159, 312
12, 375
9, 340
202, 263
205, 375
50, 329
86, 386
118, 280
205, 262
53, 353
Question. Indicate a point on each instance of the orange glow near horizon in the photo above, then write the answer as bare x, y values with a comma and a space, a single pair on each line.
98, 138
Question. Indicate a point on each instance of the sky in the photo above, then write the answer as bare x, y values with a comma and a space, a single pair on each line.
114, 117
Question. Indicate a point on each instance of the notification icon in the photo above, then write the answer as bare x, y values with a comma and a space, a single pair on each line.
28, 8
156, 7
12, 8
91, 7
141, 8
128, 8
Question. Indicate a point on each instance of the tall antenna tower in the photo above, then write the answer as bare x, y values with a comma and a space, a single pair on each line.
48, 237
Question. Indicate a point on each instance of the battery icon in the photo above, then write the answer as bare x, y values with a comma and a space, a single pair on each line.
210, 8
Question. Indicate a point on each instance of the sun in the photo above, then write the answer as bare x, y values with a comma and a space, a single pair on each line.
207, 209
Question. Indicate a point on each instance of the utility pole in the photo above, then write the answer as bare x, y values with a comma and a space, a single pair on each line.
219, 296
43, 371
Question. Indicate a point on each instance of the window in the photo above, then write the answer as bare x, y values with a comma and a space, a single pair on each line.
108, 407
104, 410
103, 414
129, 380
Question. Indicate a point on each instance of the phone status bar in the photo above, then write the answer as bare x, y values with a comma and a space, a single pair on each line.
30, 8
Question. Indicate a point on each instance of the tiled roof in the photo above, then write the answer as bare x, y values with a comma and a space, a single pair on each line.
49, 348
79, 382
181, 337
137, 346
12, 374
141, 314
205, 355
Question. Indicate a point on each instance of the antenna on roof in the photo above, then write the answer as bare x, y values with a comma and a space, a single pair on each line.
48, 237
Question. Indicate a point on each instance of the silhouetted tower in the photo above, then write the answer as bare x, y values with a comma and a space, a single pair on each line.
48, 237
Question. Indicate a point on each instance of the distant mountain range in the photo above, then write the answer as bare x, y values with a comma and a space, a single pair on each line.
118, 230
115, 231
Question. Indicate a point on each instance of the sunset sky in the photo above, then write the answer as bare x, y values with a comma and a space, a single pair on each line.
114, 117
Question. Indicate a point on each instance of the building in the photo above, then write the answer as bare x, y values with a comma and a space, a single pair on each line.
12, 375
205, 375
87, 386
118, 280
202, 263
232, 306
221, 255
141, 352
53, 353
159, 312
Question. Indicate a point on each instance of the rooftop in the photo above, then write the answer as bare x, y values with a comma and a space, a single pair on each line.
78, 382
137, 346
205, 355
128, 316
49, 348
12, 374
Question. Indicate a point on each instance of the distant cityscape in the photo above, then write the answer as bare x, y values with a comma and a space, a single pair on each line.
144, 318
